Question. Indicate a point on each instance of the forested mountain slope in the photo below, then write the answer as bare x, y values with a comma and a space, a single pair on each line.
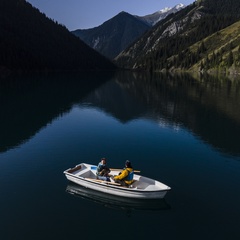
220, 51
167, 45
31, 41
117, 33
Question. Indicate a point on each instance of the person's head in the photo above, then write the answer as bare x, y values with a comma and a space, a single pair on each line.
128, 164
103, 160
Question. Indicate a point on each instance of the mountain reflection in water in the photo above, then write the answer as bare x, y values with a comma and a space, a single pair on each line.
208, 107
29, 103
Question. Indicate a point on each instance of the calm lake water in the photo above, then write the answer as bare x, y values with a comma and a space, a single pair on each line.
179, 130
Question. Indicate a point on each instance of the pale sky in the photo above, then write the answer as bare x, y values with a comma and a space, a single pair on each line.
83, 14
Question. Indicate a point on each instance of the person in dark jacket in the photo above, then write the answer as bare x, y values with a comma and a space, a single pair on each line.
103, 170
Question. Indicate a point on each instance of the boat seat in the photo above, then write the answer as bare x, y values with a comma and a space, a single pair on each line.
131, 185
71, 170
85, 173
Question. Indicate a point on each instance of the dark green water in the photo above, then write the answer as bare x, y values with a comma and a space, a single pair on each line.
179, 130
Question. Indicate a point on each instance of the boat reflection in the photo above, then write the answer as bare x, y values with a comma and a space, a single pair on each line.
117, 202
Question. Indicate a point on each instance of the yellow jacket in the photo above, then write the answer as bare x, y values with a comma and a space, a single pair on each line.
123, 176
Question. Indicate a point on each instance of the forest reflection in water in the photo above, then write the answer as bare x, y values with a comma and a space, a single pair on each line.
209, 106
181, 130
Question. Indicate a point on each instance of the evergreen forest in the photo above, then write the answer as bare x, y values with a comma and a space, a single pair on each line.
199, 43
29, 41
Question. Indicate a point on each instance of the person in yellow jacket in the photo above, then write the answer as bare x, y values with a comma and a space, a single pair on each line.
125, 177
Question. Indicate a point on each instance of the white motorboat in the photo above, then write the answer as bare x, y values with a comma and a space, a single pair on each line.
142, 188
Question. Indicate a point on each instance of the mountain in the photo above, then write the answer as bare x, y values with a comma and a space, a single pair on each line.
218, 52
31, 41
154, 18
170, 43
114, 35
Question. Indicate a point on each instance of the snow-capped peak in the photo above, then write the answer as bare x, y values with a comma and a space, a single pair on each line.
166, 9
180, 5
152, 19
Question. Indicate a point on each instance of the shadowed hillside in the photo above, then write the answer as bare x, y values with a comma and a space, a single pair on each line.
31, 41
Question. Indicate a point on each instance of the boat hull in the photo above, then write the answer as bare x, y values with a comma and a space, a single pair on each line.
117, 202
143, 188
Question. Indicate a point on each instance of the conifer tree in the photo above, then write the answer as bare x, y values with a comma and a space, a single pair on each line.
230, 59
